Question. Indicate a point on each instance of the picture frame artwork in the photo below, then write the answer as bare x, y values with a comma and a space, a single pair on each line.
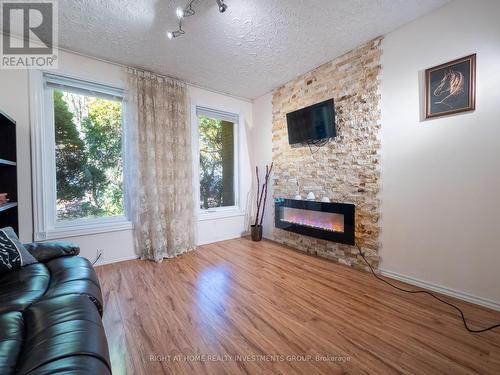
451, 88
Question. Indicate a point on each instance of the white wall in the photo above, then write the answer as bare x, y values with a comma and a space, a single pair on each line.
119, 245
441, 178
262, 144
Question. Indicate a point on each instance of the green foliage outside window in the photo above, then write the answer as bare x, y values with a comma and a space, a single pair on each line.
216, 139
89, 166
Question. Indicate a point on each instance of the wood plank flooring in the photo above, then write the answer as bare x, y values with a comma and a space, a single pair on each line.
278, 309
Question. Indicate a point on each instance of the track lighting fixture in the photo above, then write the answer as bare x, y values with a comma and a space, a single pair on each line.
175, 34
187, 12
222, 6
179, 13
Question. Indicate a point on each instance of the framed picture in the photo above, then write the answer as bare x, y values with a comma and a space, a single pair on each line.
451, 88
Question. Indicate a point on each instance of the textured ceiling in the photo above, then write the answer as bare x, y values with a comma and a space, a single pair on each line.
254, 47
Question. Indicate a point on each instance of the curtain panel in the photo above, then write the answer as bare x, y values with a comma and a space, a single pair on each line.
158, 165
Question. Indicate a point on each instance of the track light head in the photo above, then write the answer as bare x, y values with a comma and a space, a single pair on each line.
176, 33
222, 6
188, 11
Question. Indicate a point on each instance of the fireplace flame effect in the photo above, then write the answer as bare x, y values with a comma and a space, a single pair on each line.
314, 219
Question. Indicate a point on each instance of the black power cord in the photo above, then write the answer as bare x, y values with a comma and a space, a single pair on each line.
318, 143
323, 142
99, 254
430, 294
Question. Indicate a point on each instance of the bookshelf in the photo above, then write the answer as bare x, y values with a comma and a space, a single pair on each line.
8, 172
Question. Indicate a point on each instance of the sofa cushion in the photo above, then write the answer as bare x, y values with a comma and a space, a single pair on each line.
21, 288
73, 275
75, 365
62, 327
11, 340
13, 255
45, 251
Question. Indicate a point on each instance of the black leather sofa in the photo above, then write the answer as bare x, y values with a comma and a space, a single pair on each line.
50, 315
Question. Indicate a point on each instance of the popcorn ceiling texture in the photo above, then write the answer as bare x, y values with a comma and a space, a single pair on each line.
254, 47
347, 168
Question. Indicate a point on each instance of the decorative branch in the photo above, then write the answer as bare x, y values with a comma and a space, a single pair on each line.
259, 202
258, 197
268, 173
262, 194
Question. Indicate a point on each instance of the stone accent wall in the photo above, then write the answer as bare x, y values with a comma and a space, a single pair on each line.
347, 168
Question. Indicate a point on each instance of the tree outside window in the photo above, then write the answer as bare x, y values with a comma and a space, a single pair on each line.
89, 165
216, 140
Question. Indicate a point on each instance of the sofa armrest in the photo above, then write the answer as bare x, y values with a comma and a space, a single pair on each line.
45, 251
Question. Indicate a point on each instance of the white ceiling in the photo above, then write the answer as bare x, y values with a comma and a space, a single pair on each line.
254, 47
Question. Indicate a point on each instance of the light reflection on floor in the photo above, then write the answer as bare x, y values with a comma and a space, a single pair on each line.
211, 296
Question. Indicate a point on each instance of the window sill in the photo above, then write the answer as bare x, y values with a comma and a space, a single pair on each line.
85, 228
219, 214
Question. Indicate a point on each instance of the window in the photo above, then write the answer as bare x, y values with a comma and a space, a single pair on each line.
218, 159
78, 147
88, 146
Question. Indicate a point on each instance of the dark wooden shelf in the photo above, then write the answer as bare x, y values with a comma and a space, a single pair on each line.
8, 205
8, 172
7, 162
5, 118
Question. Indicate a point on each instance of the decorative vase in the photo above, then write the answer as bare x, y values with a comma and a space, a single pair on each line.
311, 196
256, 232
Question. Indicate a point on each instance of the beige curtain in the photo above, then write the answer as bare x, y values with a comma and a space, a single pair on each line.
158, 165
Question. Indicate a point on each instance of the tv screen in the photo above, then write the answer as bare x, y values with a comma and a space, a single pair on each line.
312, 123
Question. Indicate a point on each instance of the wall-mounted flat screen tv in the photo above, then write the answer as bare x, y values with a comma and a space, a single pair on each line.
313, 123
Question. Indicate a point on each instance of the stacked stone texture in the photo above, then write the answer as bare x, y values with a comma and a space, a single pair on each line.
346, 169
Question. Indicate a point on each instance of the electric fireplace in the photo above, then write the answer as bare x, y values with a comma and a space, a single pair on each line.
328, 221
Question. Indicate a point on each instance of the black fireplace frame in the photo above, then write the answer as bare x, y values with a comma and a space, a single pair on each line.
346, 209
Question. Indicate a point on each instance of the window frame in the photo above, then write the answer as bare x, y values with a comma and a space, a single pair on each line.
46, 225
237, 119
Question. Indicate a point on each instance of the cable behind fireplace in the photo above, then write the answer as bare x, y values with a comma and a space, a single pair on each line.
429, 293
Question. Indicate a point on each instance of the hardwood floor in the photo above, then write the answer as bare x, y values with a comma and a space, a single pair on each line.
281, 308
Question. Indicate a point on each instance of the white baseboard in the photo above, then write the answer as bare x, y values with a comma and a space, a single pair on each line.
495, 305
116, 260
232, 237
132, 257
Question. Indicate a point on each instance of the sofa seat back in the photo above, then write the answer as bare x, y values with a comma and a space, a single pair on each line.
20, 288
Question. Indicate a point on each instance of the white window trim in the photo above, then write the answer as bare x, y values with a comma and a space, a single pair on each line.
218, 212
45, 224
